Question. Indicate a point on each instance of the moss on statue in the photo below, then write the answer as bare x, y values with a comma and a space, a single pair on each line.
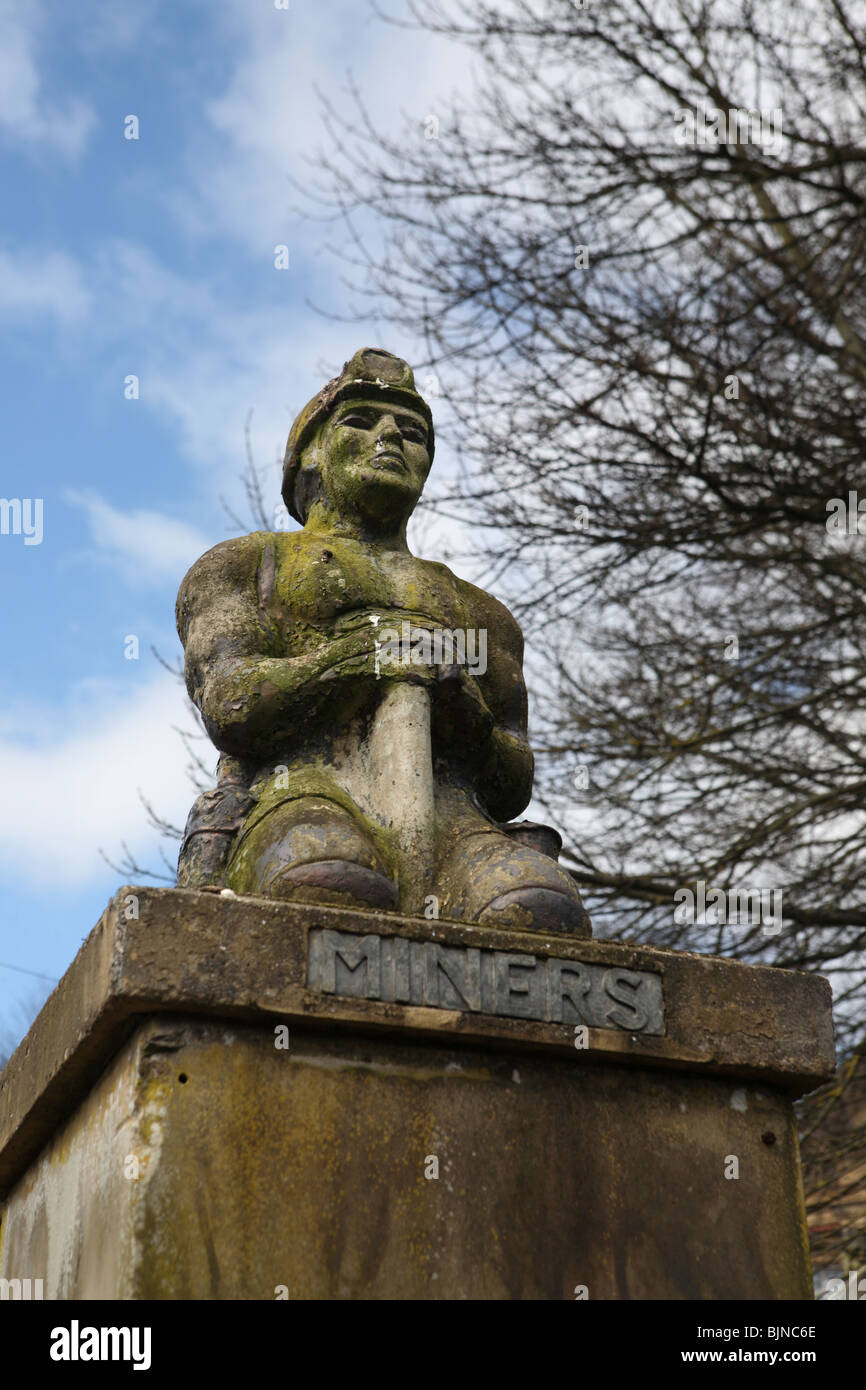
380, 764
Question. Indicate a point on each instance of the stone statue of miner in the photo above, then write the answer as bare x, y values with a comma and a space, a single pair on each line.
369, 706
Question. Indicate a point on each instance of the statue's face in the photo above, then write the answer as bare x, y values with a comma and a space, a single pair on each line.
373, 458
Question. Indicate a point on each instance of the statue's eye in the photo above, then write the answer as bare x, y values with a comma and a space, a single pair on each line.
359, 421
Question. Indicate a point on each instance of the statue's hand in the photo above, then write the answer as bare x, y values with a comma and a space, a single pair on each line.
361, 656
346, 656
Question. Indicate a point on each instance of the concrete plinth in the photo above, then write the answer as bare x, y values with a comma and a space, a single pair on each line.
239, 1099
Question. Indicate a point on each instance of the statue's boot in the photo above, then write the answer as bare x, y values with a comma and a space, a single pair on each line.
310, 849
496, 876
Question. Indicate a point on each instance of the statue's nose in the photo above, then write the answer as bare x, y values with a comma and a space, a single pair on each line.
389, 429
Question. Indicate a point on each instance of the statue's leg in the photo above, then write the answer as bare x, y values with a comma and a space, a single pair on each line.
214, 821
311, 849
483, 875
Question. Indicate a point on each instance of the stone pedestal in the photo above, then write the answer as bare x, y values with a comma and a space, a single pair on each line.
239, 1099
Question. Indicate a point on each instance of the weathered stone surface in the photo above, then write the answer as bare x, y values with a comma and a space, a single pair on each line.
208, 1163
248, 959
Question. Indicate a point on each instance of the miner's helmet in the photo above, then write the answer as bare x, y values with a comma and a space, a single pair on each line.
371, 373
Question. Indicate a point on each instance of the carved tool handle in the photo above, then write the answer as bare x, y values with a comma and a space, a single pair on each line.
401, 760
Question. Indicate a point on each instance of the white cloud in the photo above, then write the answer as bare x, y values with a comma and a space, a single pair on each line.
47, 283
202, 362
27, 112
72, 793
146, 546
204, 357
268, 119
205, 362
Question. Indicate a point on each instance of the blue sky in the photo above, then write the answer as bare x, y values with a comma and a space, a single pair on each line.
155, 258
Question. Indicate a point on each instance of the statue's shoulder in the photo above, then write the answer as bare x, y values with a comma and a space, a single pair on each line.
236, 556
491, 613
231, 564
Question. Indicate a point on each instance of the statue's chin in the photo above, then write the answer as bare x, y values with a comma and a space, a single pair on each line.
385, 491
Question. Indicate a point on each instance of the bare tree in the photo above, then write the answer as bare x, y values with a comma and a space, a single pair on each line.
654, 354
833, 1147
636, 254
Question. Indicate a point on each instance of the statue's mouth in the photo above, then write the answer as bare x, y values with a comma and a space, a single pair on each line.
389, 460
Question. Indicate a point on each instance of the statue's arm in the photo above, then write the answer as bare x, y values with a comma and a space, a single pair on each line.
493, 729
507, 772
249, 695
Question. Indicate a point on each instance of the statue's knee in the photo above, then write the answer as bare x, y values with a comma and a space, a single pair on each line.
498, 881
311, 850
527, 889
538, 908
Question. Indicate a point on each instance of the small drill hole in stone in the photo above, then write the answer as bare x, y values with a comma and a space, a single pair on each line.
768, 1137
183, 1078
